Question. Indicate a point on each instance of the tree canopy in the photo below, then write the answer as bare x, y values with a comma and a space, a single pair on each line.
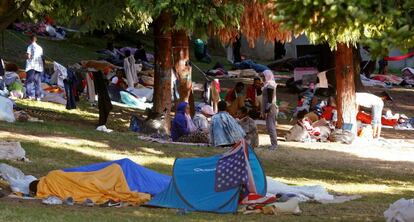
379, 24
93, 15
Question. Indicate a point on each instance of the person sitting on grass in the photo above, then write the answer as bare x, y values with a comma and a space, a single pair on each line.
183, 128
249, 127
201, 118
224, 129
235, 98
254, 92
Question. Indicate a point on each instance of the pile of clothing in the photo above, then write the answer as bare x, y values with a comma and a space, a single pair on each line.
44, 28
407, 79
408, 76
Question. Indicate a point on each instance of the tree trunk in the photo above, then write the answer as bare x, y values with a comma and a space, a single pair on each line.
345, 86
357, 69
10, 11
163, 64
181, 56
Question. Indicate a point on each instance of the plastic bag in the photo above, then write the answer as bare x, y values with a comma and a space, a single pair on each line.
342, 136
6, 110
16, 178
402, 211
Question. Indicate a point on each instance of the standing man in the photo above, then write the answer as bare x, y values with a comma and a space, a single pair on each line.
269, 107
376, 104
34, 67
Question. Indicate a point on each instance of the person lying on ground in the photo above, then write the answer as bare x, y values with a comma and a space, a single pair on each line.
224, 129
114, 55
201, 118
235, 98
183, 128
249, 127
376, 104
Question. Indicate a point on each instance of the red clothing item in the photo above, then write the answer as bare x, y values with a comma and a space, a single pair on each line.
251, 94
306, 123
367, 119
327, 112
231, 96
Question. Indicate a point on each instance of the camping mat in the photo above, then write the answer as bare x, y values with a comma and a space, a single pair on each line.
162, 141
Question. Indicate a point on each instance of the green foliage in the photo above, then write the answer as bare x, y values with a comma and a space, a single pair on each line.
93, 14
194, 16
379, 24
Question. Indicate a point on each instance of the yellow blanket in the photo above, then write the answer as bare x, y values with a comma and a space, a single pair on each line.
99, 186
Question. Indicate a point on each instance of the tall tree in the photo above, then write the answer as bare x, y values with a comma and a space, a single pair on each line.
187, 17
379, 24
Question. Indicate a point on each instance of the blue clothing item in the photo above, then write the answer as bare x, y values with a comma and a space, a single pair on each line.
33, 78
4, 93
45, 77
130, 100
3, 89
179, 124
249, 64
411, 121
225, 130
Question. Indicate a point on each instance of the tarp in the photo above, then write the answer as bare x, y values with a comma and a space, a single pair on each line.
138, 177
99, 186
193, 186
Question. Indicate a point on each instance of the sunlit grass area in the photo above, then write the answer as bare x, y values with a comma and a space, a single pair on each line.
67, 139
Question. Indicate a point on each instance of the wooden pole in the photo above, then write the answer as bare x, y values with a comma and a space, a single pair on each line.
345, 86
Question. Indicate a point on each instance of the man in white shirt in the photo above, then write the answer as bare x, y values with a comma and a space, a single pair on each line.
376, 104
34, 67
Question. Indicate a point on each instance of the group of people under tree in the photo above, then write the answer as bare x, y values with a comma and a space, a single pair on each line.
224, 129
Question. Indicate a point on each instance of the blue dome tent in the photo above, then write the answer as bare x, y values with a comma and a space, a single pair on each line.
194, 182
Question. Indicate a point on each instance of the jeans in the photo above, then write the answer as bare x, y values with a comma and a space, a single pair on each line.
33, 78
70, 97
271, 125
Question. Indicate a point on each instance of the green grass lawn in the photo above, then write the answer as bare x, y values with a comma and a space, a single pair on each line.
68, 139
